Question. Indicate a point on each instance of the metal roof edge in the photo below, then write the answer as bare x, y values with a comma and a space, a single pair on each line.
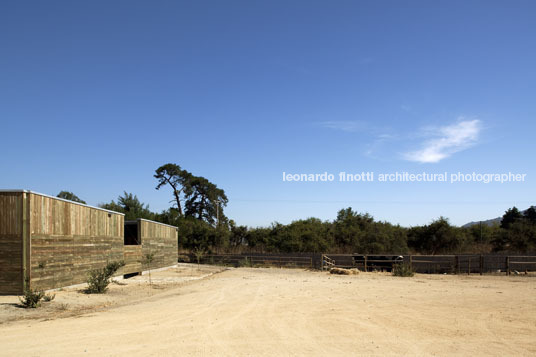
148, 220
62, 199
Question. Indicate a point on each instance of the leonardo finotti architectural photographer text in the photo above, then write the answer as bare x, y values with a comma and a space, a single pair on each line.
370, 176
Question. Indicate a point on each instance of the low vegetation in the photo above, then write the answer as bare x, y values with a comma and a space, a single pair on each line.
199, 254
99, 279
32, 298
49, 297
198, 212
245, 263
403, 270
147, 261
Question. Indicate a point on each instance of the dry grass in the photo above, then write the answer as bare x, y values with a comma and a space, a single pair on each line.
342, 271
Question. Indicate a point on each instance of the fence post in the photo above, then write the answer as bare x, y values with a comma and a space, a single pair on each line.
481, 263
411, 262
322, 262
456, 264
469, 269
507, 265
365, 263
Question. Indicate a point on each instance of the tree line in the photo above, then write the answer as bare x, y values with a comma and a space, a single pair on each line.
197, 209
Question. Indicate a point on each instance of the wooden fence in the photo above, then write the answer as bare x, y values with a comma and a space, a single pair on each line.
267, 259
450, 264
431, 264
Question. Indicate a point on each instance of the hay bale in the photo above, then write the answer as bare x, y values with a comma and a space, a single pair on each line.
342, 271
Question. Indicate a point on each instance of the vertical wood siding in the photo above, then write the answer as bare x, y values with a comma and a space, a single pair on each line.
11, 273
160, 240
68, 240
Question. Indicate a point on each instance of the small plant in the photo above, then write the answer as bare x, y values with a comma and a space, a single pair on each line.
48, 298
99, 279
199, 254
32, 298
62, 307
147, 260
403, 269
245, 263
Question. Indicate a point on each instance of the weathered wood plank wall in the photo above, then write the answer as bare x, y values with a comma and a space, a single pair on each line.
68, 240
160, 240
56, 242
11, 257
133, 259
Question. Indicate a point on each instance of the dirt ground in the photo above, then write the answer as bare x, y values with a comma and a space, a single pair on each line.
280, 312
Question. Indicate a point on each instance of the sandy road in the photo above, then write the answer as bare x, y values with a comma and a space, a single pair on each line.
253, 312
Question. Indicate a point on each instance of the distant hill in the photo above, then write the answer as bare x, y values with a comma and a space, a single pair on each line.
489, 222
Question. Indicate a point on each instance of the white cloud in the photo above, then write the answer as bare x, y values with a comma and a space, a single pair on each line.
386, 136
345, 125
446, 141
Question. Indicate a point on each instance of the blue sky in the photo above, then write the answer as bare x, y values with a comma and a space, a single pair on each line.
94, 96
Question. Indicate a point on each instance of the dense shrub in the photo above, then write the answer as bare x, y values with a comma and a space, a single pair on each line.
403, 269
99, 279
32, 298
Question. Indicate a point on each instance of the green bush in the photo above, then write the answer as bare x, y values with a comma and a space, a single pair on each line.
403, 269
32, 298
99, 279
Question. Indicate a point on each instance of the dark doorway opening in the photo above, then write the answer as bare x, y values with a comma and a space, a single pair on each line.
131, 233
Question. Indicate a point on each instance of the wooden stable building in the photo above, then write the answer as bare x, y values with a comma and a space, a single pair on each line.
51, 242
